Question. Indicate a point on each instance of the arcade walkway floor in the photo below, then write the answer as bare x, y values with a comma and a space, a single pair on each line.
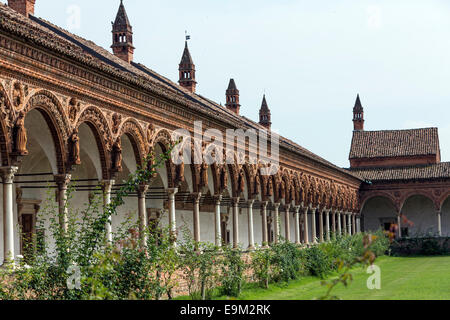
416, 278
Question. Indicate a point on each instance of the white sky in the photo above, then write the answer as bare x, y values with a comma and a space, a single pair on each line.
310, 57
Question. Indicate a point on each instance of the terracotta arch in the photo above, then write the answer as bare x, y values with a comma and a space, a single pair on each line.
443, 198
372, 195
250, 176
97, 122
53, 112
425, 194
134, 132
163, 138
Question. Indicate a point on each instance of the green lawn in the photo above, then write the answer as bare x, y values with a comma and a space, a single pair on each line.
401, 278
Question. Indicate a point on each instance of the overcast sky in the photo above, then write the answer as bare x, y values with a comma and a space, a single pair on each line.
310, 57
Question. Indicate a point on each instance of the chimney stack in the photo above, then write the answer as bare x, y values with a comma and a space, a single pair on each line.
25, 7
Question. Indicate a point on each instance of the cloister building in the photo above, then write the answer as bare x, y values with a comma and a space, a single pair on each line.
73, 113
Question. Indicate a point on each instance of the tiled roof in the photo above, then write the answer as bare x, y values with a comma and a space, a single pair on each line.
45, 34
422, 172
394, 143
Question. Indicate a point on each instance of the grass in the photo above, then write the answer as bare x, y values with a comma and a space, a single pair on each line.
402, 278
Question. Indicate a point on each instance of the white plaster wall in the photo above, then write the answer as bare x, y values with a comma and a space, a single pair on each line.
445, 218
420, 211
375, 209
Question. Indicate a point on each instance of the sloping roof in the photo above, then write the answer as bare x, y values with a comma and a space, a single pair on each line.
394, 143
422, 172
53, 38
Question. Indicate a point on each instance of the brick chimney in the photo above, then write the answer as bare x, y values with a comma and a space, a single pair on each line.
25, 7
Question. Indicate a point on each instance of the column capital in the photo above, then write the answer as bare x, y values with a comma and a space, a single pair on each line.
142, 189
172, 190
107, 184
235, 200
196, 196
264, 204
287, 206
62, 180
250, 202
297, 209
217, 198
7, 173
276, 205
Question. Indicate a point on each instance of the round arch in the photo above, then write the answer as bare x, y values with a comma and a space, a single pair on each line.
53, 112
419, 215
135, 134
378, 211
96, 121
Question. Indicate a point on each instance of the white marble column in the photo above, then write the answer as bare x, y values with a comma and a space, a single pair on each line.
327, 224
333, 223
439, 223
321, 225
235, 202
399, 224
7, 174
142, 212
349, 221
339, 226
107, 188
297, 225
305, 225
358, 224
251, 237
344, 223
353, 223
62, 181
196, 215
276, 222
265, 235
217, 226
287, 224
313, 226
172, 213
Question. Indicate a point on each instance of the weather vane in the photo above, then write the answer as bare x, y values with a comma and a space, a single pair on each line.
188, 37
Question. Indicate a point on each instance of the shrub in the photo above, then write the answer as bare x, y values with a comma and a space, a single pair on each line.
261, 266
199, 266
285, 261
232, 271
317, 261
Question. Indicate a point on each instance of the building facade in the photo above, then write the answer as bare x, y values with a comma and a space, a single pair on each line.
73, 113
406, 184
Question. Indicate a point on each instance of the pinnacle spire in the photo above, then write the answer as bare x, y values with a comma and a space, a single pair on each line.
186, 69
122, 18
232, 97
264, 114
122, 35
186, 59
264, 105
358, 105
232, 85
358, 115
